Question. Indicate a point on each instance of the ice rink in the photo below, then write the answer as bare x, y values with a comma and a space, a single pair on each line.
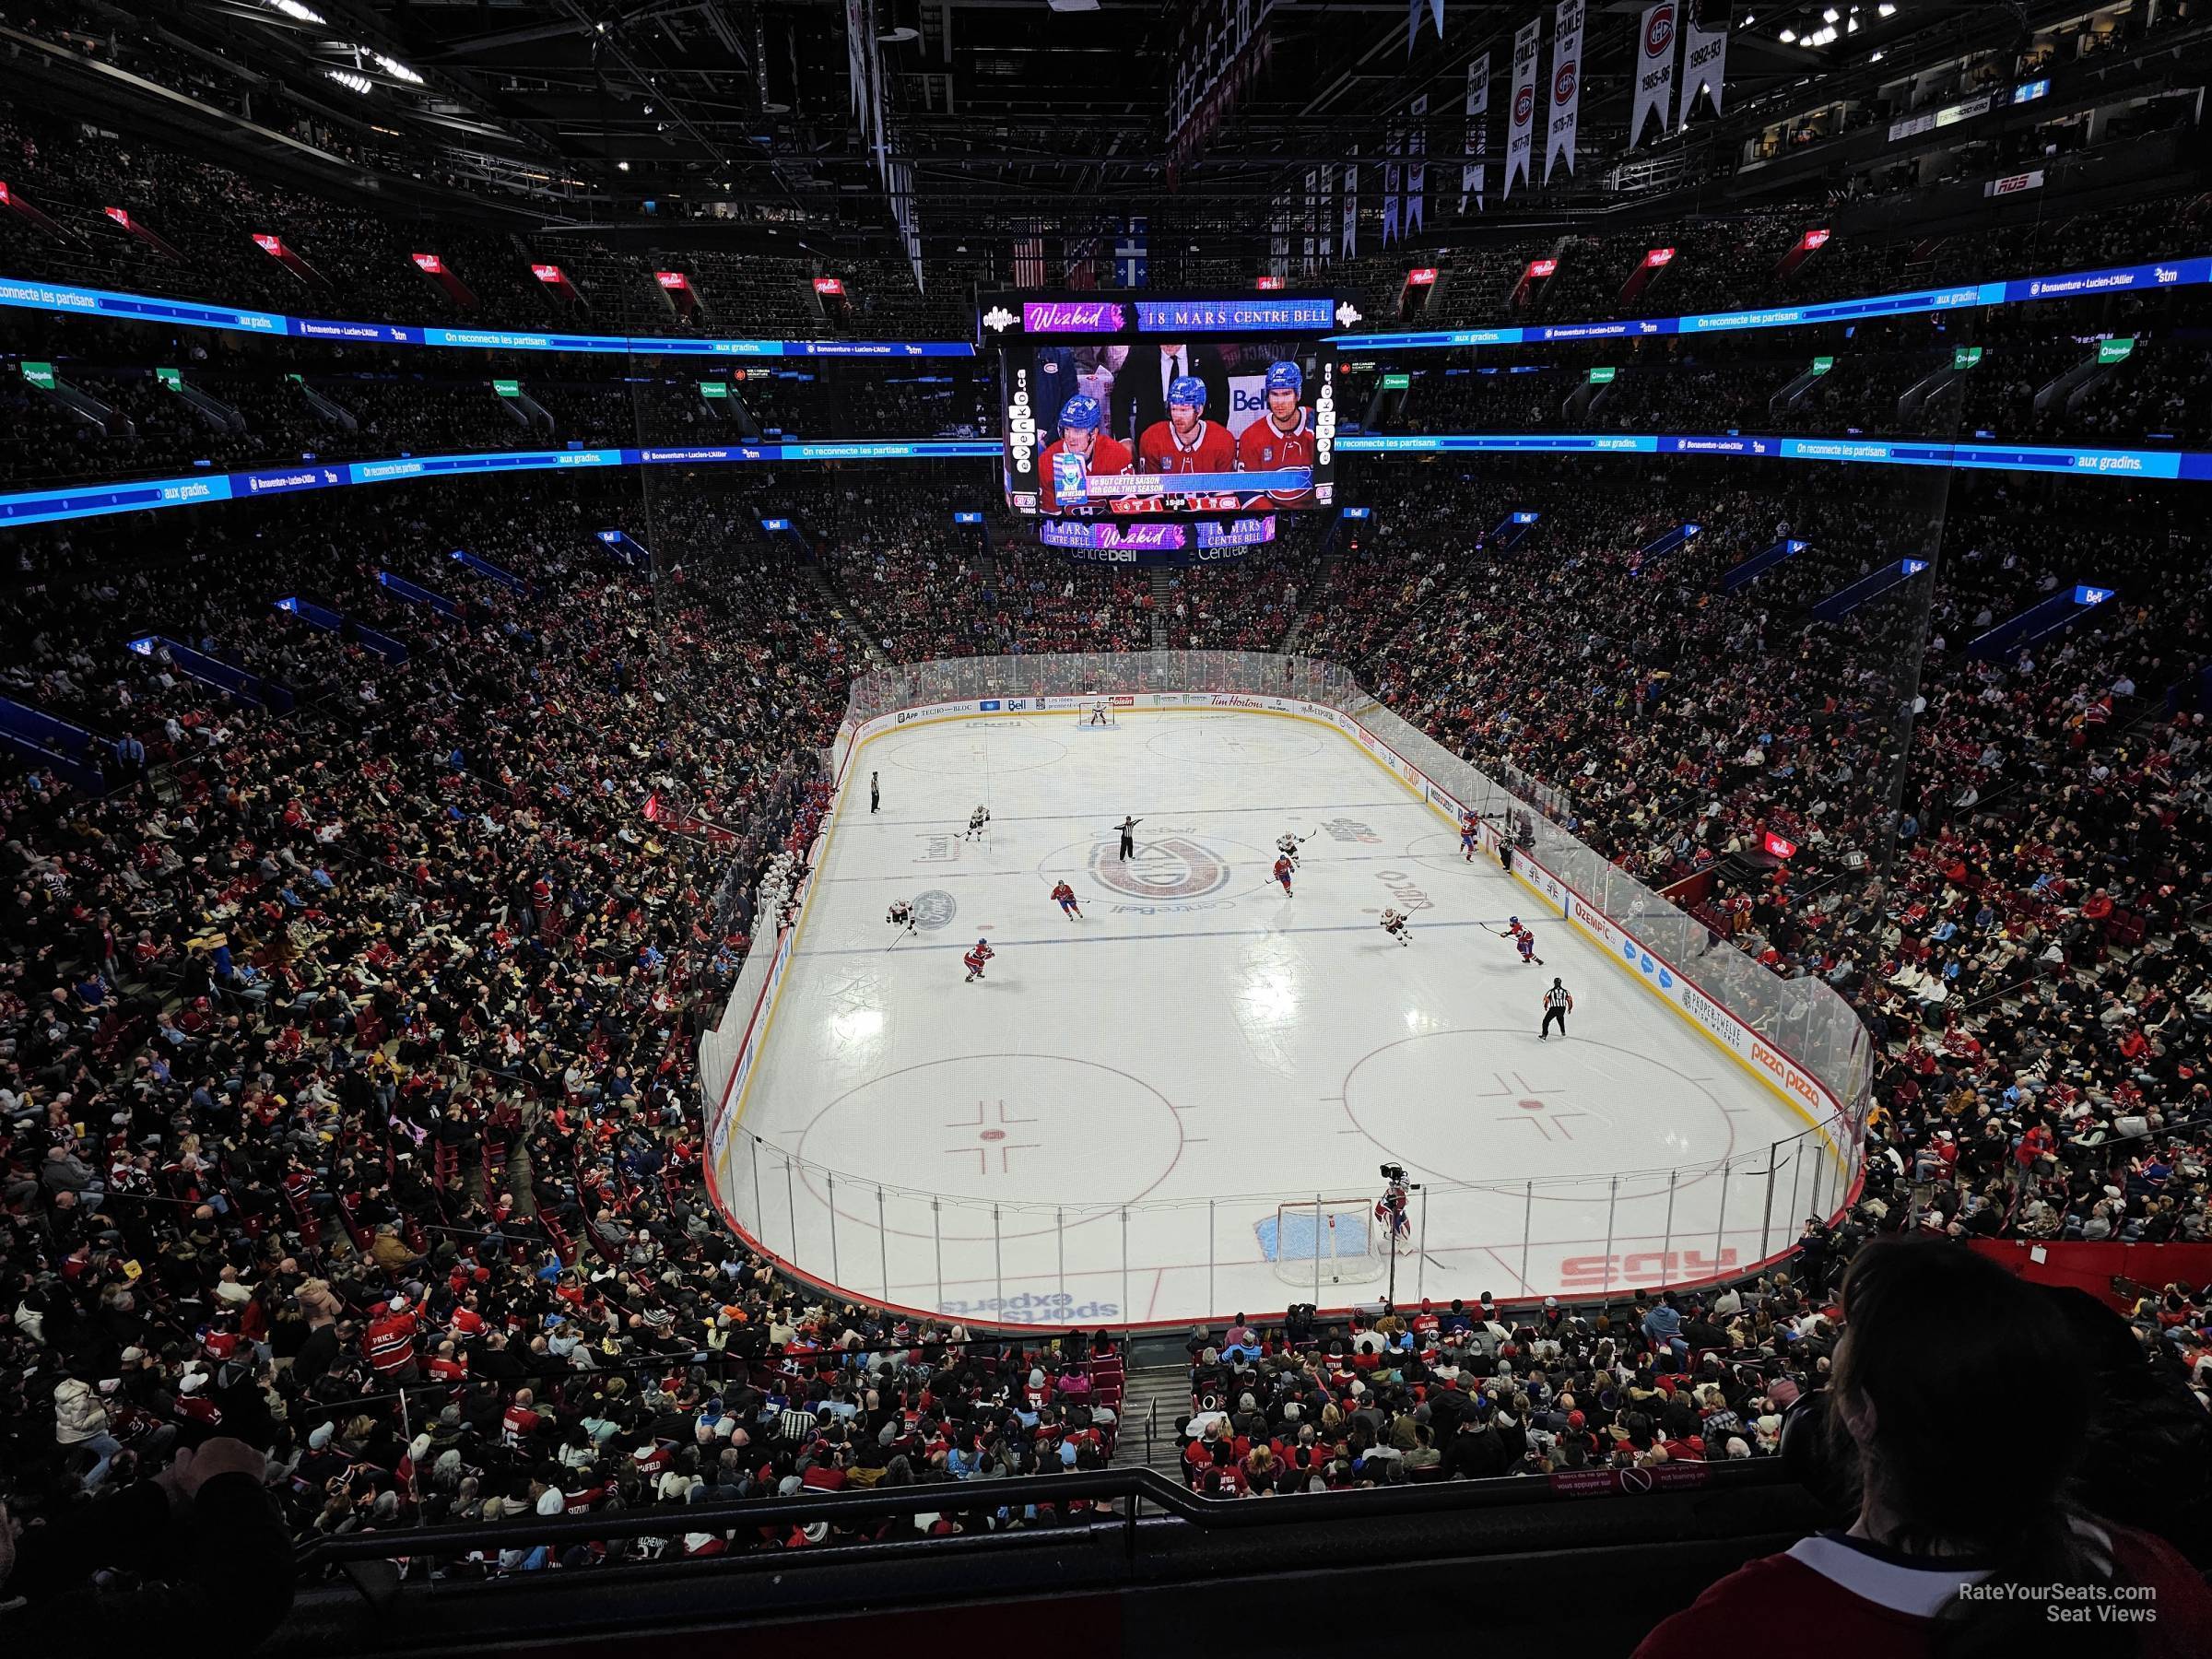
1102, 1129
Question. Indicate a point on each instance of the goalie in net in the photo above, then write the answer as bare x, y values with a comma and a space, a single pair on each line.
1321, 1242
1095, 711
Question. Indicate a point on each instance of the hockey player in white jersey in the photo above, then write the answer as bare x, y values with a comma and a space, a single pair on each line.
976, 821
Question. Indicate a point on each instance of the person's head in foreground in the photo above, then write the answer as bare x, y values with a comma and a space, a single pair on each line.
1963, 1406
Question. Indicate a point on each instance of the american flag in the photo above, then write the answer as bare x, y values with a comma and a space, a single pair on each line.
1129, 256
1028, 262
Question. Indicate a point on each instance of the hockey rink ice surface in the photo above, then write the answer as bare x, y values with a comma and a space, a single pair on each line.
1109, 1120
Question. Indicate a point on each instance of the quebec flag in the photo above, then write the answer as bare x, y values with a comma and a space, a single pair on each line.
1129, 252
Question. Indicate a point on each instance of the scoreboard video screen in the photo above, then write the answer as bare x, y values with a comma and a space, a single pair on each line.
1127, 404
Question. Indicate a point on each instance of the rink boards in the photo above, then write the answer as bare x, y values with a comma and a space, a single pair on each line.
869, 1237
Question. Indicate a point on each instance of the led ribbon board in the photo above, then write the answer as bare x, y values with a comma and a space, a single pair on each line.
2117, 279
137, 495
1159, 318
193, 313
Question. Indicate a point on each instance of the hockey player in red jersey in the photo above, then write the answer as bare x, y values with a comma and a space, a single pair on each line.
1523, 941
1064, 896
1283, 436
1186, 441
1103, 455
1282, 874
1469, 827
976, 959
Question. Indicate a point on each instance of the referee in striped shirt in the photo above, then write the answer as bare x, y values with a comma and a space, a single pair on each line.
1556, 1002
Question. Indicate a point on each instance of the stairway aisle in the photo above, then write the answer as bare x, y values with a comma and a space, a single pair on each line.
1164, 1388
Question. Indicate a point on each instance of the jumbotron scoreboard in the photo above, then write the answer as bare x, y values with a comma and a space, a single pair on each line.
1134, 411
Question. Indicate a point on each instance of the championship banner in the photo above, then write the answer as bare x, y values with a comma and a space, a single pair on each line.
1348, 248
1325, 218
1417, 165
1520, 144
1704, 63
1654, 70
878, 140
1279, 239
855, 70
1413, 21
1478, 126
1390, 171
1566, 84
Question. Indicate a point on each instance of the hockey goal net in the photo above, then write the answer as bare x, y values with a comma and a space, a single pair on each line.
1324, 1241
1094, 712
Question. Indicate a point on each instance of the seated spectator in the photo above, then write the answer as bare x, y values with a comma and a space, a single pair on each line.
1961, 1542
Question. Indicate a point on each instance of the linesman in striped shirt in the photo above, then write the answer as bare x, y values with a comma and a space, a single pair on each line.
1557, 1003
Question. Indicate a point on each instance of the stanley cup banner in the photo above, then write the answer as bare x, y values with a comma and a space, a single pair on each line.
1479, 125
1391, 171
1704, 63
1278, 238
1566, 84
1416, 166
1349, 247
1521, 116
1325, 215
1654, 70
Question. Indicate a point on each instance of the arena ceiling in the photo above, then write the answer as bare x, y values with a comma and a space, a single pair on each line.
1012, 112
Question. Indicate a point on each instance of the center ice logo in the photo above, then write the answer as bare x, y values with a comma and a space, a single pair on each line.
1170, 867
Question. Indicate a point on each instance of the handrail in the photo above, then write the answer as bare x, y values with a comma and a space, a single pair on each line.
1210, 1514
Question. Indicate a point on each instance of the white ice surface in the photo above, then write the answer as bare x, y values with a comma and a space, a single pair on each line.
1107, 1122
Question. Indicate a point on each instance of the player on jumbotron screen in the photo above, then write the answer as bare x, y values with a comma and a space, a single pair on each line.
1186, 441
1103, 455
1283, 436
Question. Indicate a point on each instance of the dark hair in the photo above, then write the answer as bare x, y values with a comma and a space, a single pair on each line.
1941, 1342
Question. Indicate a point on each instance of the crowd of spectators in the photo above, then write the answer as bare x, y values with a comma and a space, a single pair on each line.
345, 1054
113, 411
1474, 1390
346, 1094
1839, 381
2014, 904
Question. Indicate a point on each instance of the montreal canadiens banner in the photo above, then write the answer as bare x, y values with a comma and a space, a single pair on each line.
1479, 132
1704, 63
1654, 70
1520, 144
1566, 84
1349, 246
